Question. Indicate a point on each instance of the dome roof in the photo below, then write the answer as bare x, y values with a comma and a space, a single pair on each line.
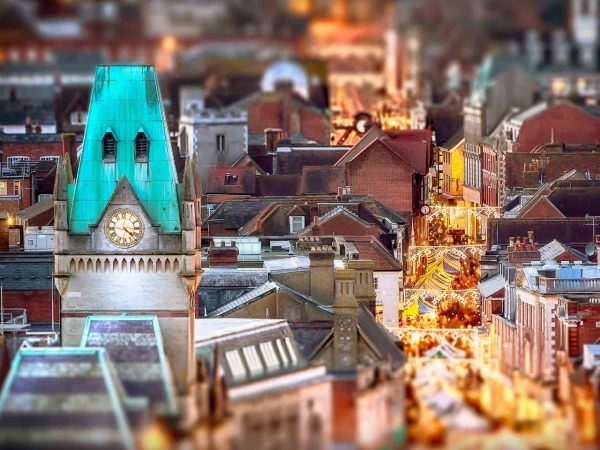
288, 71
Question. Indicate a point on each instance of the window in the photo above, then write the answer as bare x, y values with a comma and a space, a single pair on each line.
296, 224
78, 118
283, 355
238, 370
3, 188
254, 363
291, 350
18, 161
142, 145
220, 142
50, 158
17, 187
268, 353
109, 147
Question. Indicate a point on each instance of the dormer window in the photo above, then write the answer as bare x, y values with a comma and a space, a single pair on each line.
109, 147
142, 145
296, 224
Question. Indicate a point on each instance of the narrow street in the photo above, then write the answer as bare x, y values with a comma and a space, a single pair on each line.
455, 394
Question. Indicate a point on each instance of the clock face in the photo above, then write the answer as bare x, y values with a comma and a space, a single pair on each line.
124, 228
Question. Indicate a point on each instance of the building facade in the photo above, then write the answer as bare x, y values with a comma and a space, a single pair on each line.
126, 231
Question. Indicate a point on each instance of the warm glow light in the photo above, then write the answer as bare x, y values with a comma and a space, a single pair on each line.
168, 44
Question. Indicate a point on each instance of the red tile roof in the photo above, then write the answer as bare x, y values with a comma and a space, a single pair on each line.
567, 122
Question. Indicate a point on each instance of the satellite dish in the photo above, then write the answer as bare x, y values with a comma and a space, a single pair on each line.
590, 249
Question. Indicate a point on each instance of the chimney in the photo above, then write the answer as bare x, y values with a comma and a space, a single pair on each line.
363, 283
345, 322
272, 137
321, 274
222, 256
28, 127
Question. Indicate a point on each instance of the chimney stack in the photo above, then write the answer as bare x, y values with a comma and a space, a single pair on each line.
28, 127
222, 256
345, 322
321, 274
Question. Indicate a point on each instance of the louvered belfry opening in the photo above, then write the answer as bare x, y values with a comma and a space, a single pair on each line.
109, 147
142, 145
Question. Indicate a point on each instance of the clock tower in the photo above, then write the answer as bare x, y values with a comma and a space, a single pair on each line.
127, 230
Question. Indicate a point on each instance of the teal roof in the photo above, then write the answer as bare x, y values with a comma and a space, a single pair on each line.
125, 100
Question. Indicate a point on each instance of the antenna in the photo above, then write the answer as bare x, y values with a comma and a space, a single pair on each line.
590, 249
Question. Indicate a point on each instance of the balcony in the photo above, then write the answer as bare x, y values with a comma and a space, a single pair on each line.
568, 285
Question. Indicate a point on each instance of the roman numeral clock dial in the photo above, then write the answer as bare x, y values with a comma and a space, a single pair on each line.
124, 228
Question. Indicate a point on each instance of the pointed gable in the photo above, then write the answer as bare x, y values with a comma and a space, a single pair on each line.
125, 99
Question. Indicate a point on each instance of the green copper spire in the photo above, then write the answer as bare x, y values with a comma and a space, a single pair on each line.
125, 101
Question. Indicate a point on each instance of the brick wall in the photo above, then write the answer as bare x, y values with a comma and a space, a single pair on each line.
380, 174
36, 303
314, 125
34, 150
588, 332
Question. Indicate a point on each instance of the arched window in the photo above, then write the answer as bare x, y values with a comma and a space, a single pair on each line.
109, 147
142, 145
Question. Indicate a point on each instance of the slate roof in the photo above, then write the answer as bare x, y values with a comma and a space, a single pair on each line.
134, 345
491, 285
554, 249
61, 398
378, 338
293, 162
216, 180
250, 349
576, 202
233, 277
310, 335
381, 340
245, 299
26, 271
279, 185
322, 179
16, 112
235, 213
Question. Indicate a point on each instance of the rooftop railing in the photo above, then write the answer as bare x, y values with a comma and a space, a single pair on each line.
565, 285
